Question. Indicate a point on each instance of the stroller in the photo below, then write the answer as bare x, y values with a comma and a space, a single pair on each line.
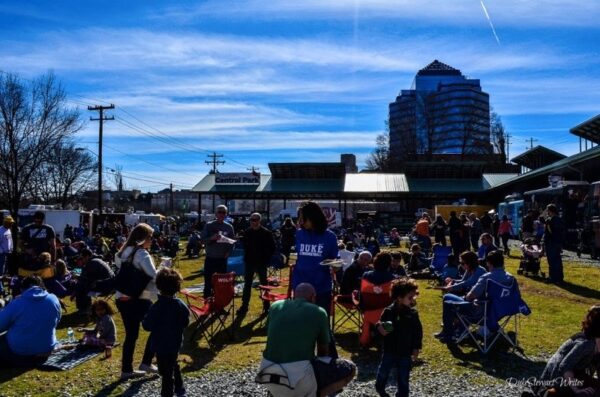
532, 254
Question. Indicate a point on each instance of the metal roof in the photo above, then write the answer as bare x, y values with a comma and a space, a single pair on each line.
564, 163
375, 183
424, 185
493, 180
307, 170
589, 129
557, 188
538, 157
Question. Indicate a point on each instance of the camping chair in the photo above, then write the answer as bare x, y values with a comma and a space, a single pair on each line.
345, 306
236, 264
501, 304
439, 259
268, 293
371, 302
212, 315
276, 264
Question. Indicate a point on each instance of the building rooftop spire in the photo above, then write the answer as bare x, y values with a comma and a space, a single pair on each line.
437, 68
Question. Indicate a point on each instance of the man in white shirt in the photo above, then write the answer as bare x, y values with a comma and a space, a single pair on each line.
6, 246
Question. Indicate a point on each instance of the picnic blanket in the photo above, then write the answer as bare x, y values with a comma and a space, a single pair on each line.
65, 359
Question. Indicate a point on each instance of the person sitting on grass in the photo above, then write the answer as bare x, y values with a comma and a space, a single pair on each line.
450, 270
166, 319
487, 246
418, 261
104, 334
403, 336
396, 267
28, 326
569, 371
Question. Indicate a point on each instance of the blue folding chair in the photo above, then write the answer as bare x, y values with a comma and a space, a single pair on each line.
439, 258
501, 304
235, 263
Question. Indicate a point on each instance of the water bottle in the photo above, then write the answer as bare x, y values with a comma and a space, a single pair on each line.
70, 335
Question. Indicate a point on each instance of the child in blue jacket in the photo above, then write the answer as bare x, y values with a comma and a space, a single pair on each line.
166, 319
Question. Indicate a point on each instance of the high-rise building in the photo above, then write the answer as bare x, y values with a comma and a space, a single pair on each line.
444, 113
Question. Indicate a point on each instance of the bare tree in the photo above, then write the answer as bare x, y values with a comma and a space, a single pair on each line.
498, 135
379, 159
117, 177
66, 174
34, 119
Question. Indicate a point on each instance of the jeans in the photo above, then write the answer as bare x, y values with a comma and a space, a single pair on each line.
555, 265
133, 312
249, 278
170, 374
505, 238
449, 312
324, 300
212, 266
475, 241
402, 364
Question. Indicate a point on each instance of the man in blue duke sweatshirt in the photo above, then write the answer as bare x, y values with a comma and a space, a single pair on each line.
166, 319
30, 322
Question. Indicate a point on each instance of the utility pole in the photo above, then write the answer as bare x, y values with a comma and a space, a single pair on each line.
531, 140
214, 161
508, 136
172, 200
101, 119
254, 170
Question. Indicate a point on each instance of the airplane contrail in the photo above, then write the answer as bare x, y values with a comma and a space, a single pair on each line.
487, 15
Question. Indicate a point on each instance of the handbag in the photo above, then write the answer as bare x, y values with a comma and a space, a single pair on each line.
130, 280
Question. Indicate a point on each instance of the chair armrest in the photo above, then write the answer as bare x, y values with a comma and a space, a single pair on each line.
187, 294
267, 287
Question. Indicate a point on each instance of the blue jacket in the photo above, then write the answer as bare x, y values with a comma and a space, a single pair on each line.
166, 319
31, 321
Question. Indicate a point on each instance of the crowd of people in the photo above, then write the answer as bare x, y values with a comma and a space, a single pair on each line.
81, 267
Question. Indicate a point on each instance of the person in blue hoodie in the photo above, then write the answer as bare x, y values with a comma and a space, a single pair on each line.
166, 320
30, 322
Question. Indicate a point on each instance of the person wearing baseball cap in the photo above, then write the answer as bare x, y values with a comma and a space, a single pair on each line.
6, 246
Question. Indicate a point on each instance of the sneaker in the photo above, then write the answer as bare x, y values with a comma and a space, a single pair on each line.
180, 393
440, 335
149, 368
132, 375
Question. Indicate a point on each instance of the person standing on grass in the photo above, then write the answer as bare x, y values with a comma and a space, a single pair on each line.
259, 247
166, 320
402, 337
505, 230
6, 247
134, 308
288, 238
314, 244
216, 252
553, 240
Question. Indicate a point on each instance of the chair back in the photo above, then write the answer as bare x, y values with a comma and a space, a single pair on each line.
440, 257
224, 289
504, 300
235, 262
374, 297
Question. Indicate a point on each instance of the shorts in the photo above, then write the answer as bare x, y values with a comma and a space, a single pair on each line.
335, 371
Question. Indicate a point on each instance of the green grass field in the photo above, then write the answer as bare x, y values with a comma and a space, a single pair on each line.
557, 314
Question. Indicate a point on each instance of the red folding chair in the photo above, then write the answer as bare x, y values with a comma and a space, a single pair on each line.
372, 300
268, 292
211, 316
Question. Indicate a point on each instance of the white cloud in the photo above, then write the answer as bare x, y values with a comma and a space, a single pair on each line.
444, 12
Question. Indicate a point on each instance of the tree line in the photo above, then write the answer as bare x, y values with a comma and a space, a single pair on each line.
39, 160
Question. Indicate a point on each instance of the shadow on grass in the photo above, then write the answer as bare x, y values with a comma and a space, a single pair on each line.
133, 387
580, 290
501, 362
7, 374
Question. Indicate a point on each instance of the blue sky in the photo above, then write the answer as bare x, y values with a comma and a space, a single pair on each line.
268, 81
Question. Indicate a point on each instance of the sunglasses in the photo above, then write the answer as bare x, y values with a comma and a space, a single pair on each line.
221, 212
